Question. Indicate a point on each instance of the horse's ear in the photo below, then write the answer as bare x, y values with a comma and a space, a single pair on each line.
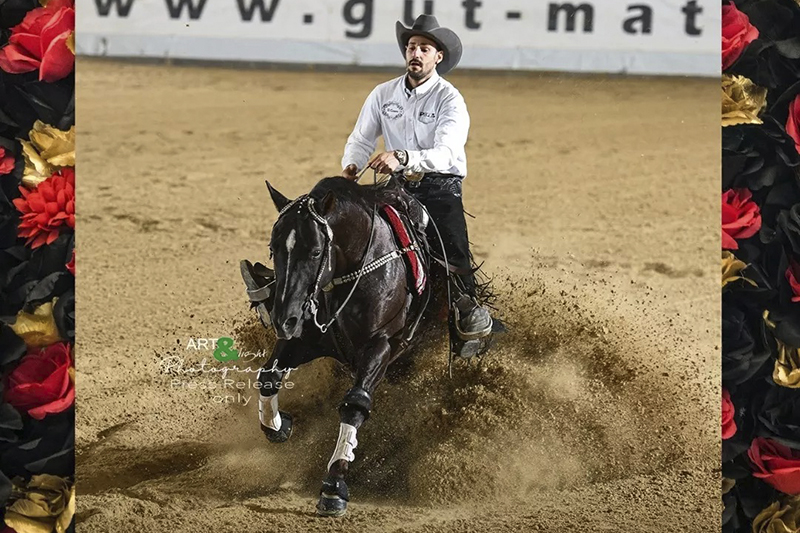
278, 199
328, 203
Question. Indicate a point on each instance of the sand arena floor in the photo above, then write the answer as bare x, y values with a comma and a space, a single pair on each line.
596, 210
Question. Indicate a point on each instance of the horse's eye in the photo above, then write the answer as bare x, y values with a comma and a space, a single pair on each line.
316, 253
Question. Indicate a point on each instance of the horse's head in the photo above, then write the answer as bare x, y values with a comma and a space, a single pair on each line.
301, 250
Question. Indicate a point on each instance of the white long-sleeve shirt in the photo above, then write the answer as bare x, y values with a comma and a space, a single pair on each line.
430, 122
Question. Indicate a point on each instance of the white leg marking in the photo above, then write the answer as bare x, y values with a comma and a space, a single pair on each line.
268, 412
345, 444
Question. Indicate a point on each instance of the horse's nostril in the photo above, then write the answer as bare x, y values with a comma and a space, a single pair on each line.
290, 324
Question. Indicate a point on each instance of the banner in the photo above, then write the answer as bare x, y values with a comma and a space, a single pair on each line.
679, 37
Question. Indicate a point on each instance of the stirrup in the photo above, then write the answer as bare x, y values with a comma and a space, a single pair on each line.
263, 315
464, 336
258, 295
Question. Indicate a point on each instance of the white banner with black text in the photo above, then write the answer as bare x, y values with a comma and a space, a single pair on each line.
677, 37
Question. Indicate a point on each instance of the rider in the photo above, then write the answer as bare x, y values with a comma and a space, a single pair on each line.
424, 123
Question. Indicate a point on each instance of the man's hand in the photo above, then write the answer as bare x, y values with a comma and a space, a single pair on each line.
349, 172
385, 163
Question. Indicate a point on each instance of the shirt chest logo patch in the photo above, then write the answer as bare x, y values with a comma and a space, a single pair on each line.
392, 110
426, 117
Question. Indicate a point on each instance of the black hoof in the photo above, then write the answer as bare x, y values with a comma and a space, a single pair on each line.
331, 506
333, 498
283, 434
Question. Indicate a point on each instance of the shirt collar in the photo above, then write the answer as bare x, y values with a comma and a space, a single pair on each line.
423, 88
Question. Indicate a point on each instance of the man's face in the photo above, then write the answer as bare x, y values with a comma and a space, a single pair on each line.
421, 57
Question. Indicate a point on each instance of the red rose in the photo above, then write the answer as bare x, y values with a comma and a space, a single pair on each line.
792, 276
40, 42
6, 162
737, 33
48, 208
728, 425
793, 122
41, 384
741, 217
776, 464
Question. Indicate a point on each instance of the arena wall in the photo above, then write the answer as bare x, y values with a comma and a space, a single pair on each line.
672, 37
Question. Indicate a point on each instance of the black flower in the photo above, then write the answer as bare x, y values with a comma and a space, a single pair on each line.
29, 278
779, 416
745, 347
64, 315
757, 156
45, 446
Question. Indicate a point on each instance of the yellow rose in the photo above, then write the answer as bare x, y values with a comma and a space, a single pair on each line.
49, 149
742, 101
779, 518
45, 505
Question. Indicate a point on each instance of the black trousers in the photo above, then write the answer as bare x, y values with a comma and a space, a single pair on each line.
441, 195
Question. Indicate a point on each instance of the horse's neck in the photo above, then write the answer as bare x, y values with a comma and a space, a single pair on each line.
351, 235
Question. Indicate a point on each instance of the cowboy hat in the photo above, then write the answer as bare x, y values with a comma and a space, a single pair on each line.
445, 38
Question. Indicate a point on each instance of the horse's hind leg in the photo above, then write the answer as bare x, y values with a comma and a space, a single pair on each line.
353, 412
277, 424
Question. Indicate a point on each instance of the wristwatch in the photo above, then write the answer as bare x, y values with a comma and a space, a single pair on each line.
401, 156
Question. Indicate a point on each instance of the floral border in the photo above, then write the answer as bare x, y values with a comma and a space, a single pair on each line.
761, 266
37, 265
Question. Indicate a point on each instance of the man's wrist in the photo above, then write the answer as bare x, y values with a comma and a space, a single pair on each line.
351, 169
402, 157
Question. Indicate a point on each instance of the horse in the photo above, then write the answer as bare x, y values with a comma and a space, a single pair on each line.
342, 288
332, 251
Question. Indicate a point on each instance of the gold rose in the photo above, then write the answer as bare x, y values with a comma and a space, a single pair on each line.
727, 485
48, 150
45, 505
779, 517
731, 267
742, 101
787, 366
786, 371
37, 329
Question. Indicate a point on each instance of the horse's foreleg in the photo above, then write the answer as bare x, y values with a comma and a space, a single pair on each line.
276, 424
353, 412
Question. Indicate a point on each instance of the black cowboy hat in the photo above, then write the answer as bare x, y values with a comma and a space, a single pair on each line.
446, 39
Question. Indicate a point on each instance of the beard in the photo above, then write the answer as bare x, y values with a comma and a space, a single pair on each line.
418, 74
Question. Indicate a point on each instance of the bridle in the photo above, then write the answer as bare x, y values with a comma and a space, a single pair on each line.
311, 303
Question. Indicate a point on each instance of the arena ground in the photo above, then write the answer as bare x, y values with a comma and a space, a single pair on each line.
596, 205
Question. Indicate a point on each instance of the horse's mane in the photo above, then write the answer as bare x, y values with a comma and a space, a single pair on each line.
363, 195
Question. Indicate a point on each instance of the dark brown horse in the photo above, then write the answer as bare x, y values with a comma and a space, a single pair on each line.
341, 290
